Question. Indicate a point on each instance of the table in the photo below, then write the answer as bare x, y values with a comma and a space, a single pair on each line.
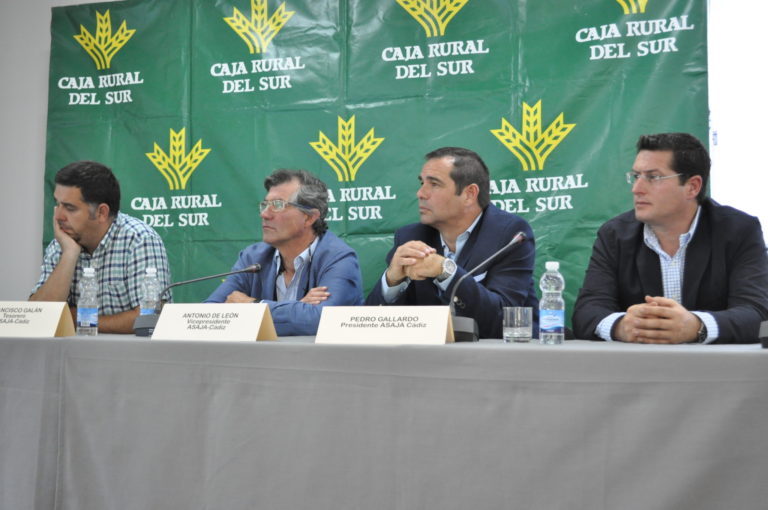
117, 422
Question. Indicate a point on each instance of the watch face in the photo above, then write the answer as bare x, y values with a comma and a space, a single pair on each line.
449, 267
702, 334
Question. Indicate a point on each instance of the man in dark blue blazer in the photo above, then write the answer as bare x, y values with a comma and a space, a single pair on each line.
303, 266
459, 228
679, 267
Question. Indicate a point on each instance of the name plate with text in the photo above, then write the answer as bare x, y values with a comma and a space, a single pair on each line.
230, 322
385, 325
35, 319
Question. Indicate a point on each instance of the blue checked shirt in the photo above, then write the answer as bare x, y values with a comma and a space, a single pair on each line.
672, 271
120, 260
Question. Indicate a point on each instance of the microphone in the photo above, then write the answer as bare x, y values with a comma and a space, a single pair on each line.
144, 325
465, 328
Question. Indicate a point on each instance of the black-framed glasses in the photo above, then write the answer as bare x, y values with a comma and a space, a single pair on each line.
279, 205
632, 177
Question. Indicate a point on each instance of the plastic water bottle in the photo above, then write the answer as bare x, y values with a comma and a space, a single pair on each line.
150, 292
552, 306
88, 304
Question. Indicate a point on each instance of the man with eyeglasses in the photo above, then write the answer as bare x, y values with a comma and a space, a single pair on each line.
303, 265
680, 267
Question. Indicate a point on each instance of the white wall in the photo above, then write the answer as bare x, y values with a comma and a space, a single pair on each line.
738, 105
737, 98
25, 39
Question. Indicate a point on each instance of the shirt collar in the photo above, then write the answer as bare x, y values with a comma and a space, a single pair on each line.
652, 241
300, 259
461, 239
111, 233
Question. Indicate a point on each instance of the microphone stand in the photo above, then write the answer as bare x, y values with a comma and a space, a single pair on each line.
144, 325
465, 328
763, 334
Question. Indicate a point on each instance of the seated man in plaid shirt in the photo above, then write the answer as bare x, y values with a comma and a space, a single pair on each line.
89, 231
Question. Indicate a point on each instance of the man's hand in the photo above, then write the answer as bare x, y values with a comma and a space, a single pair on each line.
659, 320
56, 287
239, 297
405, 256
316, 295
430, 266
118, 323
69, 246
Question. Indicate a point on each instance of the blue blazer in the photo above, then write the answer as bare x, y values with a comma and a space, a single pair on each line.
726, 273
507, 281
334, 265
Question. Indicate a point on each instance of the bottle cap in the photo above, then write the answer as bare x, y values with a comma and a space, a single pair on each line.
89, 271
151, 270
552, 265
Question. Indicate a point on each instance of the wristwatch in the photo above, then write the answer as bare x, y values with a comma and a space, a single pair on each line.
701, 335
449, 269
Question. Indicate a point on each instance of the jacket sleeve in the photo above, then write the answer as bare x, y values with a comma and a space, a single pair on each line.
598, 296
242, 281
747, 301
340, 272
508, 281
375, 297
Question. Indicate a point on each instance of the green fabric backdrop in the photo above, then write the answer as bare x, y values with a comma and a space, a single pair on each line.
552, 94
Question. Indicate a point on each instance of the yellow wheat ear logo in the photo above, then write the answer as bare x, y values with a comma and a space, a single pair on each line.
346, 157
105, 45
632, 6
178, 168
258, 31
433, 15
533, 147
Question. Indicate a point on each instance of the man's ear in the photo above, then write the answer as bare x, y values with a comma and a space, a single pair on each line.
312, 218
102, 212
694, 184
471, 192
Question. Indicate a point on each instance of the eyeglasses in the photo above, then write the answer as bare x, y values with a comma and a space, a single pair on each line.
632, 177
279, 205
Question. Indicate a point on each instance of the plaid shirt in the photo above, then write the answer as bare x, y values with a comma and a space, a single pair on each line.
120, 260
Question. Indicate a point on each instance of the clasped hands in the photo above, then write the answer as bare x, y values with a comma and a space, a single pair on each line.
415, 260
659, 320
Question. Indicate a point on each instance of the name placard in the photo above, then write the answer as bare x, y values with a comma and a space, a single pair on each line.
385, 325
230, 322
35, 319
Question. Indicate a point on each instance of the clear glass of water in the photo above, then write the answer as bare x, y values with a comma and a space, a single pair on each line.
518, 323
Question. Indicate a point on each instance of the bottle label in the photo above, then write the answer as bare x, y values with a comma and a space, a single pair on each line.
87, 317
552, 321
147, 311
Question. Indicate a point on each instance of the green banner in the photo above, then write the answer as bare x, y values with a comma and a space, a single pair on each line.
193, 102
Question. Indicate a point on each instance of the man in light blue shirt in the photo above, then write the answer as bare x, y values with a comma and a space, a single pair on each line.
304, 267
679, 267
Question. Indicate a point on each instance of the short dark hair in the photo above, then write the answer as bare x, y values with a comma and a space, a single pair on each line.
468, 168
689, 156
96, 182
312, 193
